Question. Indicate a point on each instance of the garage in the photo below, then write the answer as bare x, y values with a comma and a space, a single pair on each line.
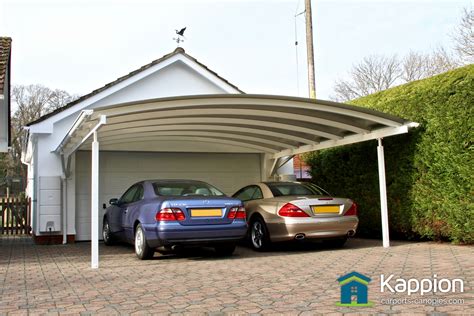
120, 169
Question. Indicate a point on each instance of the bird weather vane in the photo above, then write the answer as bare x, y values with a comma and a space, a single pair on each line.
180, 38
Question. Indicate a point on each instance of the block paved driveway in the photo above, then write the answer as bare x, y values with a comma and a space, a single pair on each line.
290, 279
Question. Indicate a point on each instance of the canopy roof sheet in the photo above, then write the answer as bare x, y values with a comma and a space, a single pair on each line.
276, 125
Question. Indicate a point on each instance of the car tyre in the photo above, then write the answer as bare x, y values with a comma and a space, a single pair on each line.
225, 250
107, 235
258, 235
335, 243
142, 250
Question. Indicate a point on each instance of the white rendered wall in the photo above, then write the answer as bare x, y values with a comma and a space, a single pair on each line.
176, 79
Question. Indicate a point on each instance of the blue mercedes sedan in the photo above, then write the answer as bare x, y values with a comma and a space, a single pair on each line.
168, 213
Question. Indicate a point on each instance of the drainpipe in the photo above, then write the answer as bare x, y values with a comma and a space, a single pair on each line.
64, 203
34, 198
65, 175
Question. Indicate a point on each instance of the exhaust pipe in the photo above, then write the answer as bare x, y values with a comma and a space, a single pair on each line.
300, 236
351, 233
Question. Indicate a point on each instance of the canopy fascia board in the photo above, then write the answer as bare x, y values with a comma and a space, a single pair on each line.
83, 115
77, 126
377, 134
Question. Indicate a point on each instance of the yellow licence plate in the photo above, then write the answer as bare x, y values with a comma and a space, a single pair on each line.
325, 209
206, 212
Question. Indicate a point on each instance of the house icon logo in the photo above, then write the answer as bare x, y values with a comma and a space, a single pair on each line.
354, 290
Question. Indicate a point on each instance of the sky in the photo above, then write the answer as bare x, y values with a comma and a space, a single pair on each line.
80, 45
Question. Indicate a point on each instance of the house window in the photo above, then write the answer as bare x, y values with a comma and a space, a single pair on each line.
353, 290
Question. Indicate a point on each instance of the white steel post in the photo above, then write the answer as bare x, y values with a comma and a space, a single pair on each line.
95, 204
383, 195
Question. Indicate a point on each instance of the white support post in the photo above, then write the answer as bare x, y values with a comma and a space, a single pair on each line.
383, 194
95, 204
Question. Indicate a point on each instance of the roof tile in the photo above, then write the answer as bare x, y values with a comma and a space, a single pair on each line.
5, 49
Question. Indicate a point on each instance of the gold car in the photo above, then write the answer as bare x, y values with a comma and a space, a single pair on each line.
282, 211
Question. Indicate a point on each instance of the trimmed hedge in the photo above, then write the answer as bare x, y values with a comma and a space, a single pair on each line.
430, 171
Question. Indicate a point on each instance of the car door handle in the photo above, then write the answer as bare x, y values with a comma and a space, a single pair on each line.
126, 211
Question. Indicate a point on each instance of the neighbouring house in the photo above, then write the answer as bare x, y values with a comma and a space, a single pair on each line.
5, 122
174, 118
301, 169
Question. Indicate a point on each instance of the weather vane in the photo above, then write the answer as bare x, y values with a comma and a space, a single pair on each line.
180, 38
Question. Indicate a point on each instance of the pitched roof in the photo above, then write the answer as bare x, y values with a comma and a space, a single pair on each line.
5, 48
178, 50
355, 275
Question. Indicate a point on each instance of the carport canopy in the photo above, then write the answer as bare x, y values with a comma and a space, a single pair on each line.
277, 126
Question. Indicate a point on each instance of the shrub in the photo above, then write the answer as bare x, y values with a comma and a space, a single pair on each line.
430, 171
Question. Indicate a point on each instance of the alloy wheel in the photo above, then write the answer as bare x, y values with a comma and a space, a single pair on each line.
106, 232
139, 241
257, 234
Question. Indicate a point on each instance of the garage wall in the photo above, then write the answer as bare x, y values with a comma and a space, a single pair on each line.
174, 80
119, 170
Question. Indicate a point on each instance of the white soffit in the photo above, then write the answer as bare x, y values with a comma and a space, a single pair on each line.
276, 125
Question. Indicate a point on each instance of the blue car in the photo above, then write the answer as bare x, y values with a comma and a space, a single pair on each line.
167, 213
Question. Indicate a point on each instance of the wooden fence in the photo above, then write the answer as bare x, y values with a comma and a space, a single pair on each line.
15, 216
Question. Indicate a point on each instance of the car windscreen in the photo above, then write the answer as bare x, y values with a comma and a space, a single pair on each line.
284, 189
185, 189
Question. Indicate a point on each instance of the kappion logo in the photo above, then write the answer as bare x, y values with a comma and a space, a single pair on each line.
354, 291
423, 286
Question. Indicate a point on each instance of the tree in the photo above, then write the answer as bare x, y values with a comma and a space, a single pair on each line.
416, 66
374, 73
464, 37
439, 61
377, 73
32, 102
413, 66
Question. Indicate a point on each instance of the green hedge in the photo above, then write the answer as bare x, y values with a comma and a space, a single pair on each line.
430, 171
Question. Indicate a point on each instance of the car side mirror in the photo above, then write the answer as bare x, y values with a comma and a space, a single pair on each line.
114, 201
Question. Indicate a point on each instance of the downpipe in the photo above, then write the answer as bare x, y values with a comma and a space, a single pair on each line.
64, 207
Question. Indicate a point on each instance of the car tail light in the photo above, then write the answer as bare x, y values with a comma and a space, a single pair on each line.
352, 210
170, 214
237, 213
290, 210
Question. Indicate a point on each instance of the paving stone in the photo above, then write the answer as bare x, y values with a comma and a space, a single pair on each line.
288, 280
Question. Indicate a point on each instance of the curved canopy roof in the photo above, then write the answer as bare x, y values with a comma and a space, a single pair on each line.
276, 125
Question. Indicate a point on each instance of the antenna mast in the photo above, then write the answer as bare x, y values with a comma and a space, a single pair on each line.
309, 49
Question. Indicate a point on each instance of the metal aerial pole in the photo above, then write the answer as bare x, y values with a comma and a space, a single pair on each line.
310, 50
310, 59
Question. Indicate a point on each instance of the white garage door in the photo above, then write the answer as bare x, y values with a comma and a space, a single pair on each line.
119, 170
